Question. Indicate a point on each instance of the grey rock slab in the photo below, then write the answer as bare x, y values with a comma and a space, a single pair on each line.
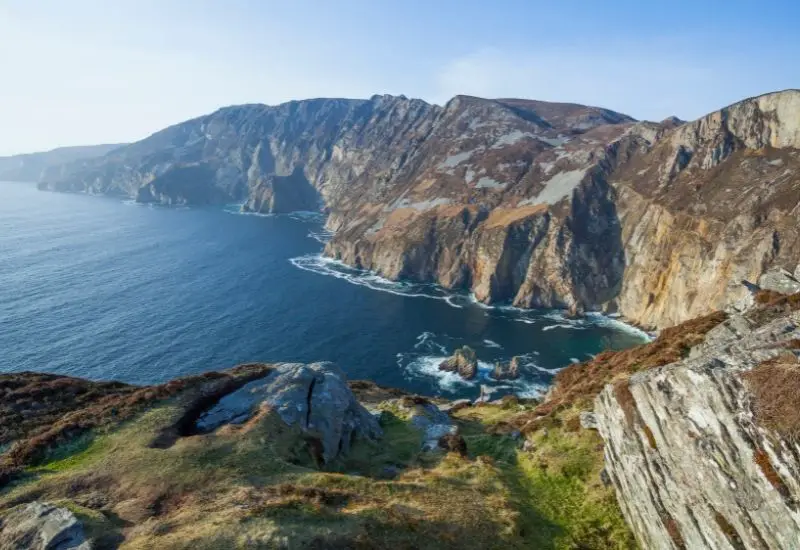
314, 397
42, 526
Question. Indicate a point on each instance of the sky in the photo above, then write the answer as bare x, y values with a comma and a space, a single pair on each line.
80, 72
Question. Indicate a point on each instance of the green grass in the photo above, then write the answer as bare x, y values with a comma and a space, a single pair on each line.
257, 485
81, 452
556, 488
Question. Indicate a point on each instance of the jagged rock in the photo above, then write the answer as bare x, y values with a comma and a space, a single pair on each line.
691, 464
453, 443
464, 362
507, 371
41, 526
588, 420
314, 397
528, 446
431, 421
779, 280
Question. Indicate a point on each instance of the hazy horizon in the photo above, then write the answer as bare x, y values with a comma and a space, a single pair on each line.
86, 73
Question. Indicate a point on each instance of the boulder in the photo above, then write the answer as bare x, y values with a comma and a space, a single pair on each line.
506, 371
779, 280
42, 526
314, 397
453, 443
432, 422
464, 361
588, 420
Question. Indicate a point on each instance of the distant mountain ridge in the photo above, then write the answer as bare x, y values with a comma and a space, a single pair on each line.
517, 201
35, 167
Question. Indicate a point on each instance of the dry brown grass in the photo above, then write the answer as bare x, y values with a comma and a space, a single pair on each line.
73, 406
775, 386
765, 296
506, 216
762, 460
580, 383
779, 305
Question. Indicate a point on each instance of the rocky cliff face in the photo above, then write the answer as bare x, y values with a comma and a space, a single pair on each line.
703, 453
533, 203
713, 203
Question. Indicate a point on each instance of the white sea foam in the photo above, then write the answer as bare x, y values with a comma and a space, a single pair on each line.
427, 366
562, 325
307, 216
548, 371
322, 236
526, 321
429, 352
606, 321
316, 263
491, 344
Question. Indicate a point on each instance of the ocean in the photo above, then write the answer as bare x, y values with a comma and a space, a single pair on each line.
103, 288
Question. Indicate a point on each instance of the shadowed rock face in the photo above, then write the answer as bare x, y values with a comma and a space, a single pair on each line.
282, 194
533, 203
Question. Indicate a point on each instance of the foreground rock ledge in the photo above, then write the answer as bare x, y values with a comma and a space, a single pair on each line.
691, 464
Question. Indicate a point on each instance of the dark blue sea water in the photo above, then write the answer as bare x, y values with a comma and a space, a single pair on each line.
100, 288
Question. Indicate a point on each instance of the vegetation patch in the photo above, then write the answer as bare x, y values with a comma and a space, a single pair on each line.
762, 460
774, 305
674, 530
40, 411
555, 484
651, 439
579, 384
775, 386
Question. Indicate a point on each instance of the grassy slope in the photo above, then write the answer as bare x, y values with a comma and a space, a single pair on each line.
256, 485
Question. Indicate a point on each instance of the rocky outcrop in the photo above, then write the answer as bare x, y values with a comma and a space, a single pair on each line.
694, 449
314, 397
507, 371
432, 422
41, 526
713, 203
464, 362
780, 280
